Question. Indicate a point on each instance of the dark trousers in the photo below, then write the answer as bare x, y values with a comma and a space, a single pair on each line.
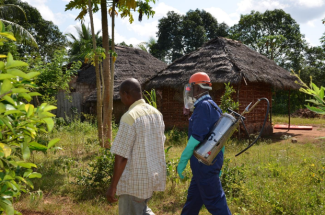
205, 188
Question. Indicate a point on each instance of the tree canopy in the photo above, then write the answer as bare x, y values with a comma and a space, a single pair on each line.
274, 34
180, 34
81, 45
47, 35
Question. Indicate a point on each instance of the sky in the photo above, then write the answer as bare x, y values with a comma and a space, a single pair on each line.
307, 13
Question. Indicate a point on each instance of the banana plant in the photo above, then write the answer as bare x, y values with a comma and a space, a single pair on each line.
316, 92
151, 97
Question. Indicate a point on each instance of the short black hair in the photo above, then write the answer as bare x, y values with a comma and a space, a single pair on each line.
131, 86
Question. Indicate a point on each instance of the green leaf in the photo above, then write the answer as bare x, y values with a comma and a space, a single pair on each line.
2, 108
6, 149
13, 112
30, 110
25, 151
25, 96
315, 109
53, 142
26, 165
313, 101
21, 179
6, 76
43, 105
35, 175
7, 206
2, 65
37, 147
8, 35
19, 90
46, 115
14, 63
6, 86
5, 120
49, 123
315, 88
32, 75
49, 108
9, 99
17, 72
321, 93
34, 94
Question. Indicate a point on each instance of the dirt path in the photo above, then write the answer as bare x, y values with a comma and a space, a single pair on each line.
303, 136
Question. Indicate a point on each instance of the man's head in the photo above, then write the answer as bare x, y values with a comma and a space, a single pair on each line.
130, 91
201, 84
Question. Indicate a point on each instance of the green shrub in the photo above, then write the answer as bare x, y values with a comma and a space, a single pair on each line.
226, 100
20, 126
98, 172
175, 137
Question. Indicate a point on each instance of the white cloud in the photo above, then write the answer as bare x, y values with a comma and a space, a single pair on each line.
45, 11
311, 3
246, 6
162, 9
147, 29
222, 16
119, 38
311, 23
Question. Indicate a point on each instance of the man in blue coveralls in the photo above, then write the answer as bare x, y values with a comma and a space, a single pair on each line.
205, 187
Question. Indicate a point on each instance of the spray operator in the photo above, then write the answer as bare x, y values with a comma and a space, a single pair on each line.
205, 187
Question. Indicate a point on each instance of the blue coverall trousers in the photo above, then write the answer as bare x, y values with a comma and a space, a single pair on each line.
205, 188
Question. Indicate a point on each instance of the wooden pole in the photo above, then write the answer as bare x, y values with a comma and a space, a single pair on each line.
238, 88
289, 109
98, 81
107, 124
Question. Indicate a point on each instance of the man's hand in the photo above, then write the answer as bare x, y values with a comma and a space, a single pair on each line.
110, 195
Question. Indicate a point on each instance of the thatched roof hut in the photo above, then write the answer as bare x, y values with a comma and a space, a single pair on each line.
130, 63
225, 60
251, 74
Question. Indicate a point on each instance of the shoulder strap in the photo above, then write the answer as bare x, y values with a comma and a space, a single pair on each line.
215, 107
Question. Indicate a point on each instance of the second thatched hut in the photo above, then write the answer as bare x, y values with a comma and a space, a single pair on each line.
130, 63
251, 74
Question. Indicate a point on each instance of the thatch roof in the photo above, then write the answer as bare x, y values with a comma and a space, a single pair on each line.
224, 60
130, 63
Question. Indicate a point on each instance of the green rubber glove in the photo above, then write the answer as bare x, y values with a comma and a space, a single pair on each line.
186, 155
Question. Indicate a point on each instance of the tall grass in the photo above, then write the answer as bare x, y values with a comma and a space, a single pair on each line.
297, 120
270, 178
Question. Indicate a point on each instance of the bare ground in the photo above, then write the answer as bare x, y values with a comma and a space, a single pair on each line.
303, 136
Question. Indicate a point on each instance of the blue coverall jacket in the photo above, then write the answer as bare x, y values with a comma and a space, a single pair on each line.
205, 187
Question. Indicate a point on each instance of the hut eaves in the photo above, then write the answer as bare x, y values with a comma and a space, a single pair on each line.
224, 60
130, 63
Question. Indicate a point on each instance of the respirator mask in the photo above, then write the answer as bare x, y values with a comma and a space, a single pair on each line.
189, 98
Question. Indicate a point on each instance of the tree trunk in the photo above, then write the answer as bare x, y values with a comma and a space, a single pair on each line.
107, 78
98, 81
111, 86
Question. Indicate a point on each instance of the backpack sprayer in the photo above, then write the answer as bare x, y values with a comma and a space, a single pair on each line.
223, 129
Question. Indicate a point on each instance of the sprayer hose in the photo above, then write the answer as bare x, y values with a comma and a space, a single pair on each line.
265, 119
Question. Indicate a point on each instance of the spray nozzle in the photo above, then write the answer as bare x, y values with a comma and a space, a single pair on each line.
247, 108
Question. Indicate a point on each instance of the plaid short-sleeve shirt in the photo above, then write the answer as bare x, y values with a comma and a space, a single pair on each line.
140, 139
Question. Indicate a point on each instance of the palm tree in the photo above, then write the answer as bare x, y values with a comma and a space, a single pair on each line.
8, 10
145, 46
82, 44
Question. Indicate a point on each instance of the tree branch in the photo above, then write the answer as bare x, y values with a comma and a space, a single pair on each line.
5, 94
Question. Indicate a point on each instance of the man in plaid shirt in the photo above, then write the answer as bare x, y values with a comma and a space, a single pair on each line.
140, 166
